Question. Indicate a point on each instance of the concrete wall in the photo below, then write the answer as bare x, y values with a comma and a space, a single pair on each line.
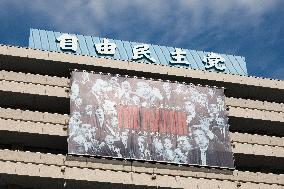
34, 107
59, 166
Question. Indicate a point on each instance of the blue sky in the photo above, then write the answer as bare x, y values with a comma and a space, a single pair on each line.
250, 28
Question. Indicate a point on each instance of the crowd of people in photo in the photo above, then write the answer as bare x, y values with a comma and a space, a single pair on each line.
94, 122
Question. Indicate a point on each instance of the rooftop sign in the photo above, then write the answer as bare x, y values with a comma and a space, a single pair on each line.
138, 52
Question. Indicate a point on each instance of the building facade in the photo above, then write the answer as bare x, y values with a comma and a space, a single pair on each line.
34, 116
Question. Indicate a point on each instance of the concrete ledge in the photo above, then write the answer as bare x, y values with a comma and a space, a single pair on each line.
241, 143
36, 89
61, 88
256, 139
256, 114
27, 90
254, 104
61, 167
34, 78
41, 62
25, 115
32, 127
62, 119
256, 149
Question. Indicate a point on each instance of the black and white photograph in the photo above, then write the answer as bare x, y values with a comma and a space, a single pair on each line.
143, 119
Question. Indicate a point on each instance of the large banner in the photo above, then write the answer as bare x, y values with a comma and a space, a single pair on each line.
150, 120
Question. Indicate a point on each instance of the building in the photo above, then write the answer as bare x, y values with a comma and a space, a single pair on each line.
34, 111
